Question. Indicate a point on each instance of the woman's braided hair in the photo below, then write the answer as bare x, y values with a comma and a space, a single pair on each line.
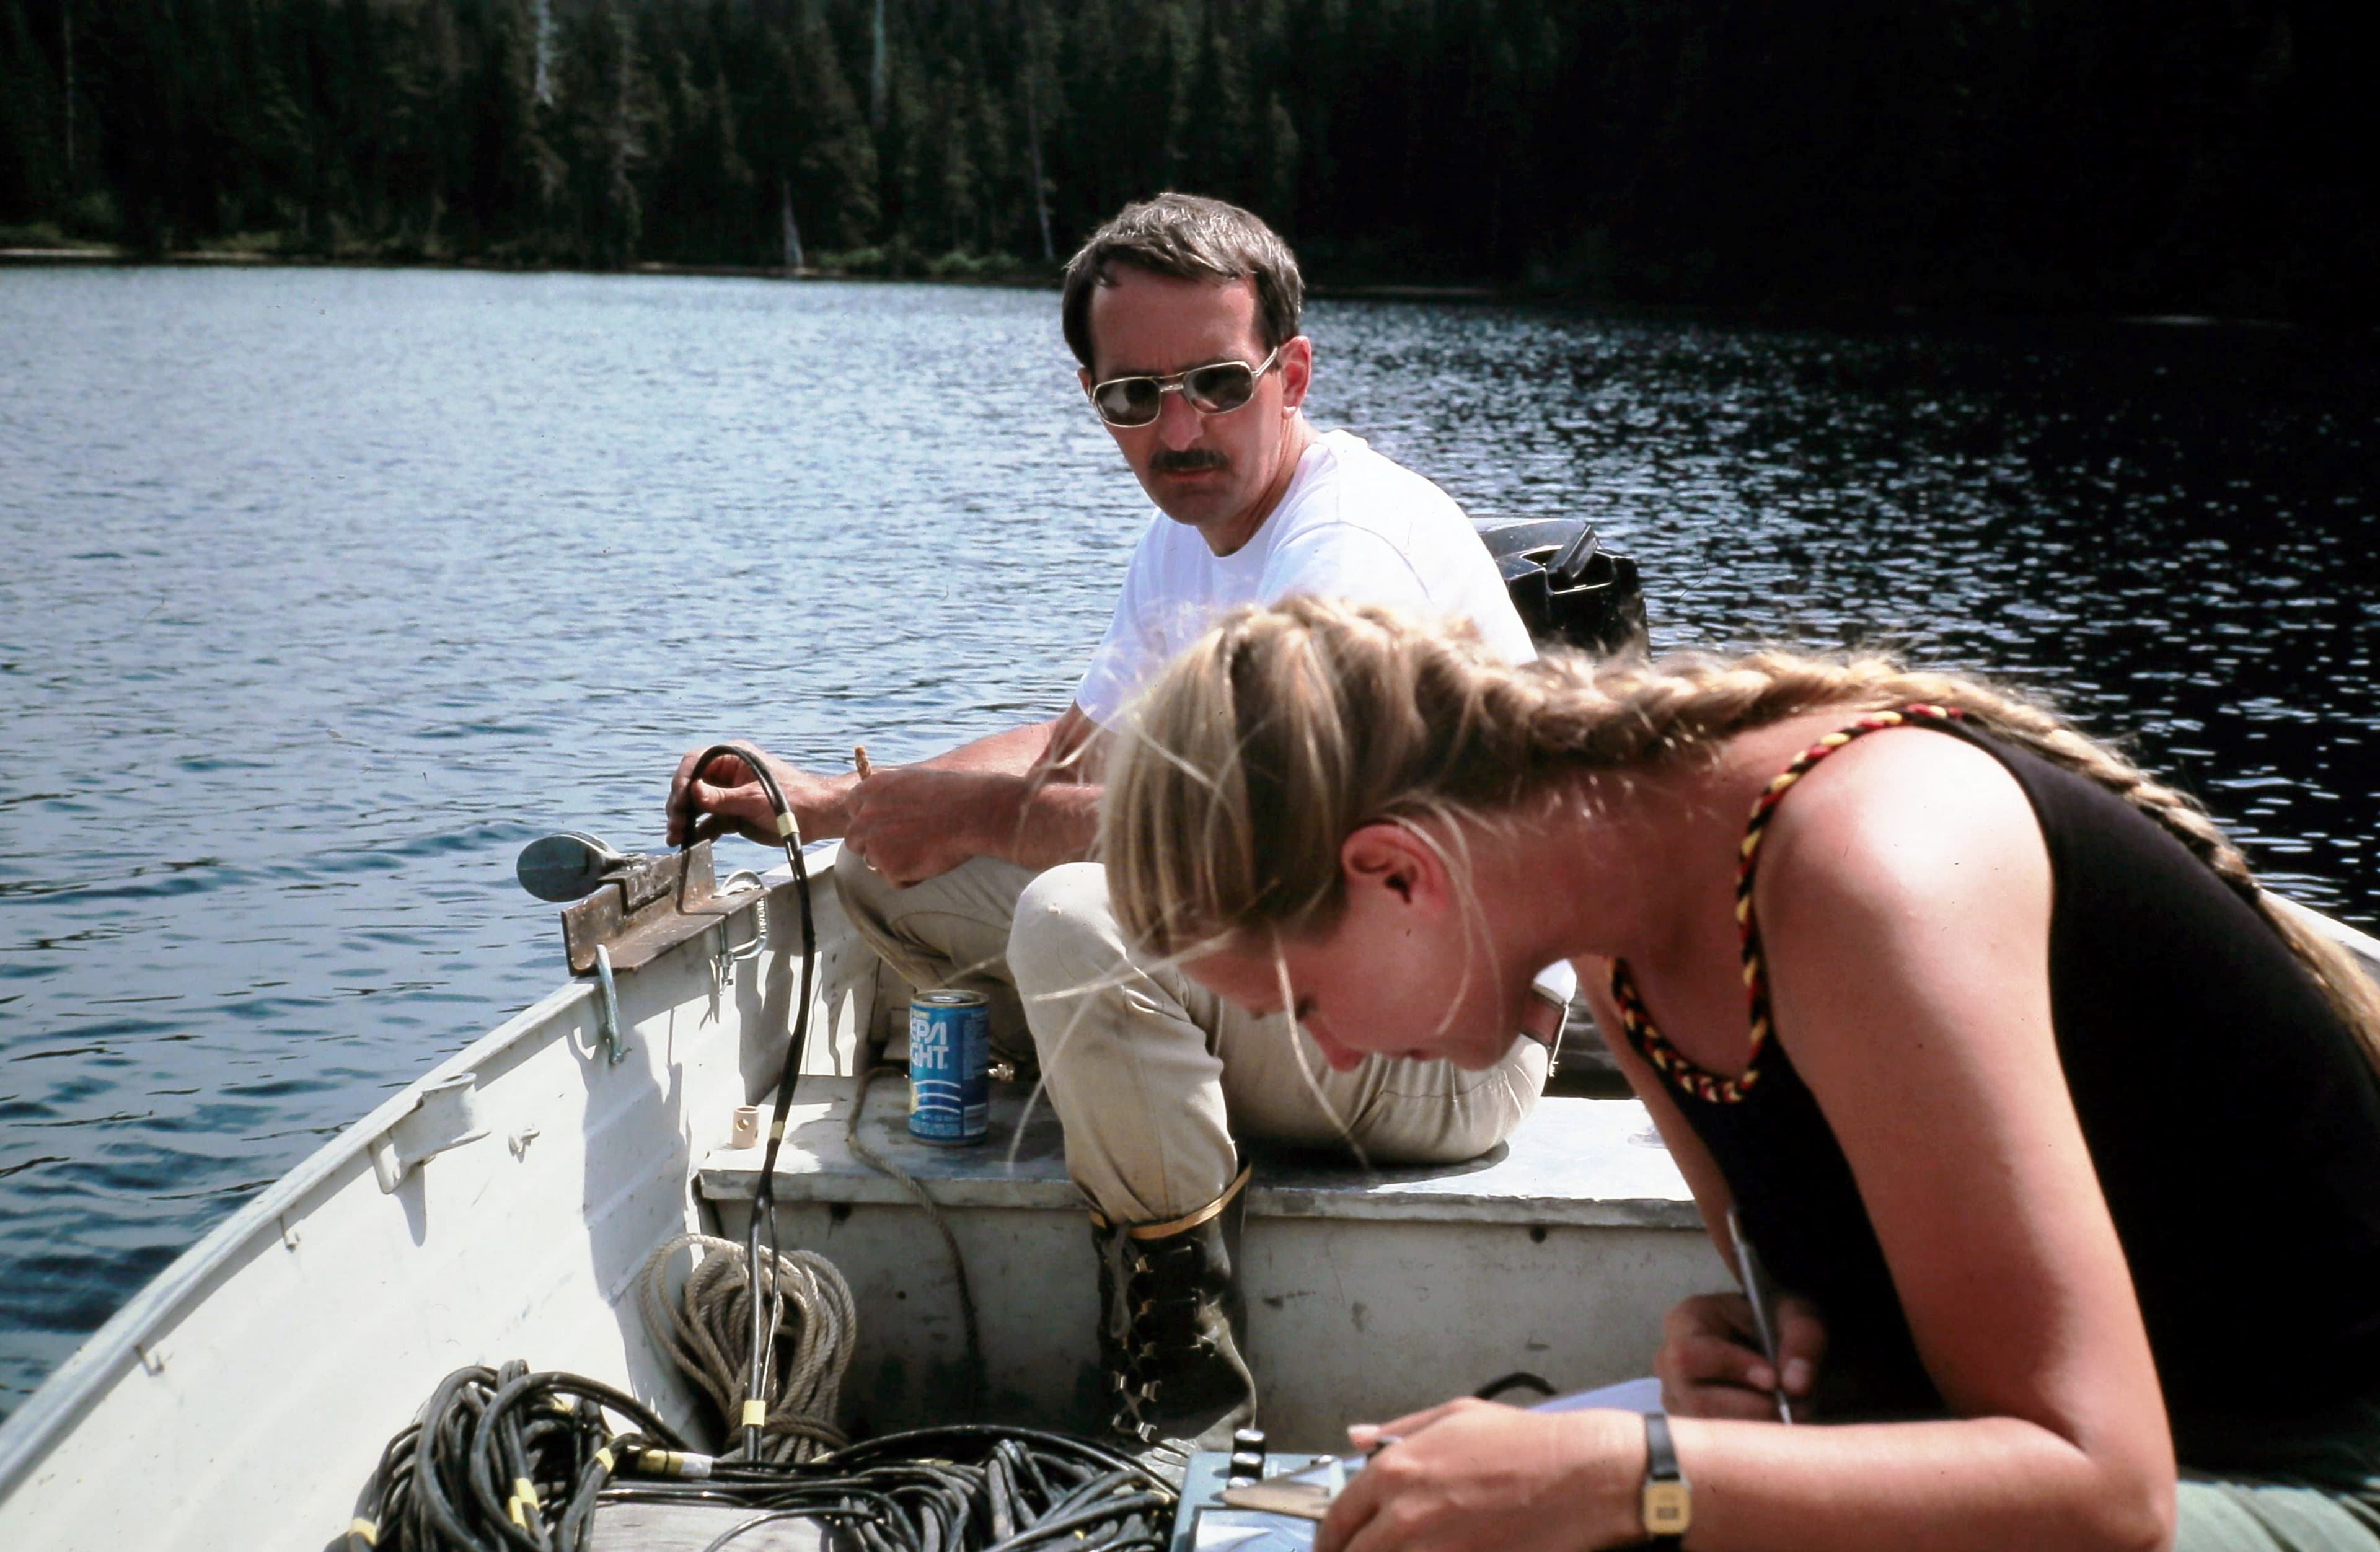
1288, 725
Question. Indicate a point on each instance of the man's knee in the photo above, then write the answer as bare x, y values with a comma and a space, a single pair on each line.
863, 892
1064, 936
1459, 1118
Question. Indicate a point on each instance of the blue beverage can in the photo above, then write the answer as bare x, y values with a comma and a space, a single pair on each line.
949, 1062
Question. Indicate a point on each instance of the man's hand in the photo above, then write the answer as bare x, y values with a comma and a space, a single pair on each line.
1710, 1364
725, 797
914, 822
1472, 1476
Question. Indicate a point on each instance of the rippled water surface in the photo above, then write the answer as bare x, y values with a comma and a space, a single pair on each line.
324, 590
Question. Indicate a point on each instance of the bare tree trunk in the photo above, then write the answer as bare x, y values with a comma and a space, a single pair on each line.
794, 264
876, 76
623, 191
543, 88
66, 24
1033, 151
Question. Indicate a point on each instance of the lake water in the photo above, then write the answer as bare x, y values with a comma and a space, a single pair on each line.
325, 591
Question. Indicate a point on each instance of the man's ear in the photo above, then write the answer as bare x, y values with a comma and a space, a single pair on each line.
1083, 376
1296, 370
1389, 858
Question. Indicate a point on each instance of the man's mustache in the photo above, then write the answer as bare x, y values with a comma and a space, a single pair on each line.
1164, 461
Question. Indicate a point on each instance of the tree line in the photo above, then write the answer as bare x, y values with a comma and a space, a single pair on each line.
2175, 155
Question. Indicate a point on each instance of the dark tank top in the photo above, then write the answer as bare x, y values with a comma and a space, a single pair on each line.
2233, 1122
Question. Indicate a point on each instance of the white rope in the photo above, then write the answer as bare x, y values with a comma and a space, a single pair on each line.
708, 1330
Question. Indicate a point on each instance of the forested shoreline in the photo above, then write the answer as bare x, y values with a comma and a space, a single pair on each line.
2090, 155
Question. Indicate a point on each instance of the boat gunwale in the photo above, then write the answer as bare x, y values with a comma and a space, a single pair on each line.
2362, 944
70, 1391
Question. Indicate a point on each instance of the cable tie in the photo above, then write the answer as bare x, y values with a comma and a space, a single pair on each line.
562, 1404
361, 1526
777, 1130
787, 826
755, 1412
604, 1459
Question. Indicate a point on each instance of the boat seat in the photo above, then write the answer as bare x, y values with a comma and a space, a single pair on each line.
1555, 1254
1586, 1163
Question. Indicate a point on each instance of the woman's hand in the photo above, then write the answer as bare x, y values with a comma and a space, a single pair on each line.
1710, 1364
1473, 1476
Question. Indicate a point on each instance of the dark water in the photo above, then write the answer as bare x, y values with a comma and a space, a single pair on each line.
324, 590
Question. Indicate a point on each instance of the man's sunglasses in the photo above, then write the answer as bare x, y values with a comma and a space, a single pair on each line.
1217, 388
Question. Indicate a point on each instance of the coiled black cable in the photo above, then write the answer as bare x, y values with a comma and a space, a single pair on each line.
505, 1458
502, 1457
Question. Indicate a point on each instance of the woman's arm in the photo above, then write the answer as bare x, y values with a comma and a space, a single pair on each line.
1905, 904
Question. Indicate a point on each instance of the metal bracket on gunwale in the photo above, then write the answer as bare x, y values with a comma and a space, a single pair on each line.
447, 1117
607, 1008
626, 910
640, 908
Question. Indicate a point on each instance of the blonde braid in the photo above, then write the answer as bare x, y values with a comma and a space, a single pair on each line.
1292, 723
1685, 703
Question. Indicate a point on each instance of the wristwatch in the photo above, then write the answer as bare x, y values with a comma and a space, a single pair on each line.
1666, 1503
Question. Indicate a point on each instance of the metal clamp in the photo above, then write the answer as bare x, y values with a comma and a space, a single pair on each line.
732, 954
444, 1116
607, 1008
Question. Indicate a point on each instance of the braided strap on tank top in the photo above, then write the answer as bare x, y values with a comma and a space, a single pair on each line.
1669, 1062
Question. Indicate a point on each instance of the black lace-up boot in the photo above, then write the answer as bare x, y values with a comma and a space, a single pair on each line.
1172, 1325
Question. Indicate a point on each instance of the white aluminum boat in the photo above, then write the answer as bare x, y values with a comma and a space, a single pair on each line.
504, 1207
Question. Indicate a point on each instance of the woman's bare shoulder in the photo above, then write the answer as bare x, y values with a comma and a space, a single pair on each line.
1898, 819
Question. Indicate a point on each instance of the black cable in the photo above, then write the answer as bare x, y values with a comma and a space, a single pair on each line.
1097, 1514
1053, 1447
764, 1197
506, 1459
1519, 1379
503, 1458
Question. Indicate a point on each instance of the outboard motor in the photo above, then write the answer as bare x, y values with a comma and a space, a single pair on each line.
1567, 587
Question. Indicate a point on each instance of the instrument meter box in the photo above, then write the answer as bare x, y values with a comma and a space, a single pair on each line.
1202, 1523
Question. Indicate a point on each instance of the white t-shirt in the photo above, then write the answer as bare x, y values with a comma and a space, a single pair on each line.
1353, 525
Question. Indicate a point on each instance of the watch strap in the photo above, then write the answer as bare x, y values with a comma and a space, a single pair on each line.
1666, 1503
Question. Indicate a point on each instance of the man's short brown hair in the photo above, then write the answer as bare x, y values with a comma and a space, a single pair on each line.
1189, 237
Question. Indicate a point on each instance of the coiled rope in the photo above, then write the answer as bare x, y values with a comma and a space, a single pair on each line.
707, 1331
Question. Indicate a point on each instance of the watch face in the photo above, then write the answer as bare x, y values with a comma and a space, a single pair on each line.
1667, 1509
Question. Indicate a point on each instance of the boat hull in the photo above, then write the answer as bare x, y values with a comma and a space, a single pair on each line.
242, 1398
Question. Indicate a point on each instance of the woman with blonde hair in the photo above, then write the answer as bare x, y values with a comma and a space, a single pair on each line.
2064, 1136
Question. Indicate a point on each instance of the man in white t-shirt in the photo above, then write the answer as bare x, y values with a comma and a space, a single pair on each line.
968, 871
1350, 524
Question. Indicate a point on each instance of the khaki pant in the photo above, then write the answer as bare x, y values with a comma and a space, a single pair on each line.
1150, 1074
